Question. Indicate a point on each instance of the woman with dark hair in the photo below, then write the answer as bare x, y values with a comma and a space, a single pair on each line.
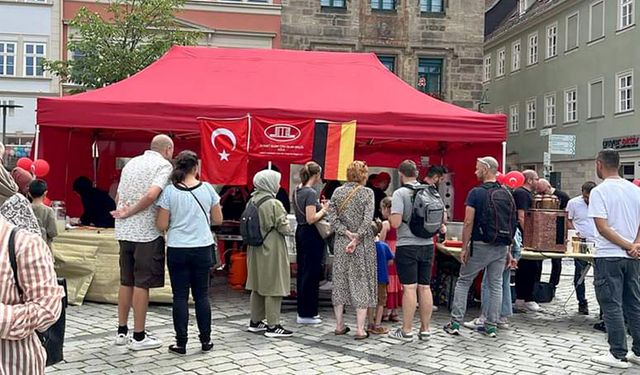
354, 265
309, 244
187, 209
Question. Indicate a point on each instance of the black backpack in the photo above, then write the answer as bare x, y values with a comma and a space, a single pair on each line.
427, 211
53, 338
250, 223
498, 221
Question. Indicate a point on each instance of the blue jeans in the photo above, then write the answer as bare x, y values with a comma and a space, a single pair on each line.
492, 259
580, 265
617, 285
506, 309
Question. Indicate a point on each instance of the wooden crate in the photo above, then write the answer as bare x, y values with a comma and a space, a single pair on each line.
545, 230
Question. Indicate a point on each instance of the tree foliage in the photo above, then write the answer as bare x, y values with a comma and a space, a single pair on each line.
132, 35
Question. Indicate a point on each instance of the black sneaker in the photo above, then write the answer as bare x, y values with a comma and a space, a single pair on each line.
256, 327
175, 349
600, 327
583, 309
207, 346
277, 331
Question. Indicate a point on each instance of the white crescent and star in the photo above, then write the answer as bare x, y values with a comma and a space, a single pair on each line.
224, 155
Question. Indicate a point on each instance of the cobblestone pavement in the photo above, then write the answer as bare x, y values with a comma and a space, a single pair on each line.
555, 342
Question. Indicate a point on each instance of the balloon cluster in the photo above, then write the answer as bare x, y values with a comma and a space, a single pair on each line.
513, 179
39, 168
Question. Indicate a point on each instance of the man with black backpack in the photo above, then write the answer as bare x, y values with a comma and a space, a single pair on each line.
418, 213
489, 226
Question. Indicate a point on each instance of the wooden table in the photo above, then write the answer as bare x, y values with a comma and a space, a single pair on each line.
89, 259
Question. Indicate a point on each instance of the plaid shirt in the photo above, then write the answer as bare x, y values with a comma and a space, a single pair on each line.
20, 349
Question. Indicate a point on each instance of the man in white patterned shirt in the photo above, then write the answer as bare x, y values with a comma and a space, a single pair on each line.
142, 246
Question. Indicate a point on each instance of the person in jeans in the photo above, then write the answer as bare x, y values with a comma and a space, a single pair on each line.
310, 247
615, 207
529, 271
21, 351
578, 214
544, 187
268, 268
142, 249
187, 209
477, 255
413, 259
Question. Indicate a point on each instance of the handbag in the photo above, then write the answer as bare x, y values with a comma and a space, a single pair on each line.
323, 226
214, 252
53, 338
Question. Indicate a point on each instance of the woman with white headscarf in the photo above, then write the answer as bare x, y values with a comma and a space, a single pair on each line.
268, 265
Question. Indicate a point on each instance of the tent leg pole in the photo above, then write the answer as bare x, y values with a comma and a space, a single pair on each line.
37, 143
504, 157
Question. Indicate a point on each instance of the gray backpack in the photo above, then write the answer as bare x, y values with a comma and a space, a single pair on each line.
250, 223
427, 211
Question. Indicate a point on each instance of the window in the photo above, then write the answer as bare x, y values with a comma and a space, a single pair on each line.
499, 110
533, 49
552, 40
432, 6
514, 119
7, 59
487, 68
515, 56
383, 4
571, 105
572, 32
333, 3
627, 14
596, 99
624, 94
389, 62
34, 54
550, 109
596, 20
522, 7
531, 114
430, 77
11, 112
501, 62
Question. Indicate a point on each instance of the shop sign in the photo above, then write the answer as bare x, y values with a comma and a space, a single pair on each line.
629, 142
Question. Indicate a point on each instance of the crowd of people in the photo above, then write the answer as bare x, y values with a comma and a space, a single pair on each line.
383, 250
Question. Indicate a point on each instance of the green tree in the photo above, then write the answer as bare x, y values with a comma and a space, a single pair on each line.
134, 34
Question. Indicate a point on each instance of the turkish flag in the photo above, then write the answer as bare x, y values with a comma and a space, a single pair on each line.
224, 151
274, 139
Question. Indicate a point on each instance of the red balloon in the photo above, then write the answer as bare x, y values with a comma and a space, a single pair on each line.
636, 182
40, 168
514, 179
500, 178
25, 163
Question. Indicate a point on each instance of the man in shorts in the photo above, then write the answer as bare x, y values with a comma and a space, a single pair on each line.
142, 246
413, 258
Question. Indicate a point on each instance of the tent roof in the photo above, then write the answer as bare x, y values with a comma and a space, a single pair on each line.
189, 82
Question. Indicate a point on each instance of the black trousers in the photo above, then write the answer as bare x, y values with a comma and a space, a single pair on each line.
527, 274
556, 270
309, 254
189, 269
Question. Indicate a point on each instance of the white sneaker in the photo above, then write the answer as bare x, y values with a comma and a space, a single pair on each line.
611, 361
503, 323
122, 339
326, 286
314, 320
532, 306
149, 342
633, 358
519, 306
477, 322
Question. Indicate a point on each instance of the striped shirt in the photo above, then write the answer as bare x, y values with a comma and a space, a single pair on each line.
21, 352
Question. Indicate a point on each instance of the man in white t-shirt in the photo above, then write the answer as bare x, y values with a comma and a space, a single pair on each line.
615, 207
578, 212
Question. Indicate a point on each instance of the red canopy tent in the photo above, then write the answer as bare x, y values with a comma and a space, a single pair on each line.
394, 120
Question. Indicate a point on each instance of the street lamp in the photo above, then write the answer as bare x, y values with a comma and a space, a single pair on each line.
484, 101
5, 107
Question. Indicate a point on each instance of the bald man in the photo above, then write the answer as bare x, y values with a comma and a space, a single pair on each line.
544, 187
141, 243
528, 272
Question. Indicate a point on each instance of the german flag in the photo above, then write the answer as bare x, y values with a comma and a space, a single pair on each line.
333, 148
